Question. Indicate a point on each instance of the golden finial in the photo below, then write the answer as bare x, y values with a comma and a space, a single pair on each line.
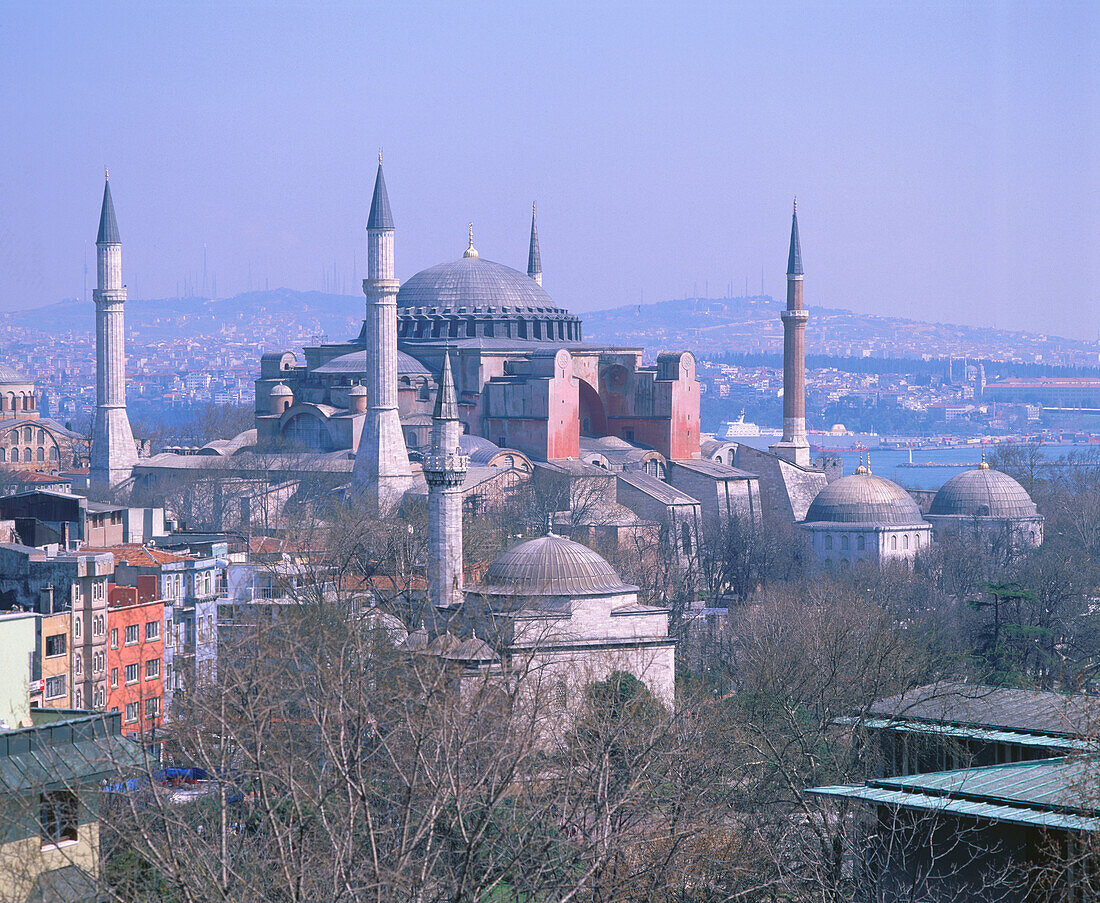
471, 251
796, 205
868, 463
532, 209
379, 156
983, 465
106, 174
861, 470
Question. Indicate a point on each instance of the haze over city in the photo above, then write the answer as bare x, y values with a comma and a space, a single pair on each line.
945, 156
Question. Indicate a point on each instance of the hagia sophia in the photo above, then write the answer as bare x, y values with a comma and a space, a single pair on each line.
467, 374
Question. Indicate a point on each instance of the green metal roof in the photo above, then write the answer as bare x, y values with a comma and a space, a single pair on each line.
963, 732
1048, 792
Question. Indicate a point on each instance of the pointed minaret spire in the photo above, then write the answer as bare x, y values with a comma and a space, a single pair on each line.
794, 258
382, 459
534, 259
113, 451
444, 471
794, 446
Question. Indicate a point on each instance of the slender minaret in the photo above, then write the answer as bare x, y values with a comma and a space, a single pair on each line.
794, 447
382, 461
113, 451
445, 470
534, 259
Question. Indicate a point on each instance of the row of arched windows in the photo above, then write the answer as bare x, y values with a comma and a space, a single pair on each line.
904, 542
21, 401
28, 434
28, 455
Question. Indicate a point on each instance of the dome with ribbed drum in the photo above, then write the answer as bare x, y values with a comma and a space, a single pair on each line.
473, 283
864, 499
551, 566
983, 492
9, 376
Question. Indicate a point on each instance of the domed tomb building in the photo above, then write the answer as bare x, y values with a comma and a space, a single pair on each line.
557, 610
863, 517
525, 378
986, 502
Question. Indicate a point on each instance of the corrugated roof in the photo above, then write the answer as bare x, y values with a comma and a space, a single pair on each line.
1002, 708
655, 488
139, 555
715, 469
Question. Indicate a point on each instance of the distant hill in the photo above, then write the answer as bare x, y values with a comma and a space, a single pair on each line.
712, 326
296, 313
707, 326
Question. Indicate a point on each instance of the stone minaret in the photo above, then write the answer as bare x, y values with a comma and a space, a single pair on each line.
534, 259
794, 447
445, 469
382, 460
113, 451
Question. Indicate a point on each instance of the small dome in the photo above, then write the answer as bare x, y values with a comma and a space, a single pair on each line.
357, 390
983, 493
472, 650
472, 282
864, 499
281, 389
551, 566
9, 376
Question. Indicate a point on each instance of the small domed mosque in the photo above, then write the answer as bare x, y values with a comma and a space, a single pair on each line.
987, 502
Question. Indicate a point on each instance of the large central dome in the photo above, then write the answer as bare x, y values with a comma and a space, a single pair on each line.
551, 566
472, 284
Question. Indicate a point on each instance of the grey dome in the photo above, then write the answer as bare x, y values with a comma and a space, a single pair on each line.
983, 493
356, 362
551, 566
864, 499
475, 283
281, 389
9, 376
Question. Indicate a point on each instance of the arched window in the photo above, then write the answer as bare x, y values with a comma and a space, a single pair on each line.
13, 436
907, 540
3, 455
561, 694
53, 453
41, 437
861, 543
40, 455
828, 543
844, 543
685, 538
893, 543
28, 434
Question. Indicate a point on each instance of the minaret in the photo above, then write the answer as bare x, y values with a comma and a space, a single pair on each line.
534, 259
113, 451
794, 447
382, 461
445, 470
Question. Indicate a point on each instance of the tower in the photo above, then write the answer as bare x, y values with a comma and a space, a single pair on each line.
113, 451
793, 446
445, 469
382, 461
534, 259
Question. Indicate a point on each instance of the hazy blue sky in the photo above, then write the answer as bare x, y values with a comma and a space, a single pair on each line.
946, 156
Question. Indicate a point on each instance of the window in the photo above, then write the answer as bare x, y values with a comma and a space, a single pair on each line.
893, 543
132, 712
57, 813
99, 661
168, 632
99, 625
907, 540
152, 707
685, 538
561, 694
76, 627
78, 664
152, 668
100, 697
131, 634
55, 645
132, 673
114, 678
79, 698
828, 543
152, 630
861, 543
114, 637
55, 686
844, 543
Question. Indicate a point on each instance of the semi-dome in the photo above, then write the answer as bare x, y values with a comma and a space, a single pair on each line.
9, 376
864, 499
551, 566
475, 284
356, 362
983, 492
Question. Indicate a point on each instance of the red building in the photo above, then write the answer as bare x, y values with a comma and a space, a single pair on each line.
135, 655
